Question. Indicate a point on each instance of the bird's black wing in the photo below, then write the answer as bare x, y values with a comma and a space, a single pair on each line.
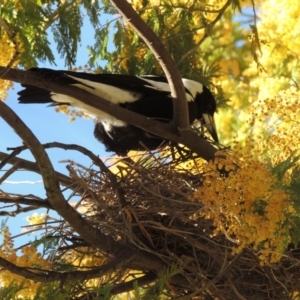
130, 83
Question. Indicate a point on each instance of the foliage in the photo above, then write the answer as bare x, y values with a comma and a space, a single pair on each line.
187, 212
251, 206
26, 28
9, 47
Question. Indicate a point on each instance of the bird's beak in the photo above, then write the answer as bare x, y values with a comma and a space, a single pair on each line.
209, 123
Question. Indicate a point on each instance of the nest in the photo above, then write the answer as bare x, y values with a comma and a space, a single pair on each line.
148, 205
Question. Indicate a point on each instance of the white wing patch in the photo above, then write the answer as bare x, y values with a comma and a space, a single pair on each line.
89, 110
105, 91
194, 87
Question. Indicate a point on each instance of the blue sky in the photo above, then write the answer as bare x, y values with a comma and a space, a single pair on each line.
48, 126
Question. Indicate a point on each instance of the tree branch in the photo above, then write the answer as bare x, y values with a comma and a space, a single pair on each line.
17, 211
31, 166
67, 181
25, 200
96, 160
50, 276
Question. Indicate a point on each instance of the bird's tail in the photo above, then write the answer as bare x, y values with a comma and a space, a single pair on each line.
31, 94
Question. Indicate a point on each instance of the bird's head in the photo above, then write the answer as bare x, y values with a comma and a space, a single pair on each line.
207, 107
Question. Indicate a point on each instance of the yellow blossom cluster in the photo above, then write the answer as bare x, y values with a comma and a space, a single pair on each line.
275, 122
247, 206
29, 257
73, 113
37, 219
8, 51
10, 48
85, 259
278, 32
280, 48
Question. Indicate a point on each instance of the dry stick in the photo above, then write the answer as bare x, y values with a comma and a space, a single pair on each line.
13, 37
196, 143
180, 110
233, 287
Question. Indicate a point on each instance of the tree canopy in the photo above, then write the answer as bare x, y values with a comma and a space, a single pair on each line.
216, 222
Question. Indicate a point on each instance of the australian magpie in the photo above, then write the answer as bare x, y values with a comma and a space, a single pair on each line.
148, 95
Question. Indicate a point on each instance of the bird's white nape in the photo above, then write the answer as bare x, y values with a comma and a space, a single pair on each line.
193, 86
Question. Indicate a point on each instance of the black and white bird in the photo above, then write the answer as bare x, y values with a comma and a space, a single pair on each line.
148, 95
